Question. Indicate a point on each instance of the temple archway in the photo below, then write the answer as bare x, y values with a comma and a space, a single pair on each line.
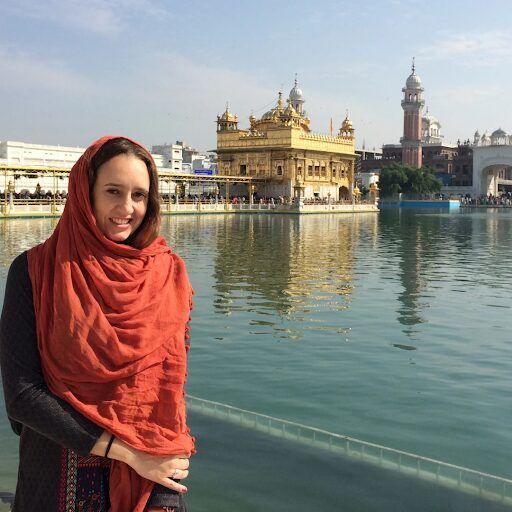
492, 170
343, 193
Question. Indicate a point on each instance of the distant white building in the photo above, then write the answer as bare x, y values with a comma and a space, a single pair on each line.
492, 163
23, 154
430, 130
169, 156
369, 178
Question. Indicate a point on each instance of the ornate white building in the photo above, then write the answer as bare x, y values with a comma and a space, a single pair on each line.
430, 129
492, 163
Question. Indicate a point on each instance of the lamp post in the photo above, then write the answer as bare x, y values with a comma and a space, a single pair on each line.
10, 188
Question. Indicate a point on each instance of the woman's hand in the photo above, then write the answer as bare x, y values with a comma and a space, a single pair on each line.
161, 470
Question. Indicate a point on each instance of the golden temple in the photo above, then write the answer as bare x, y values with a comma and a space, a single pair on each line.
285, 157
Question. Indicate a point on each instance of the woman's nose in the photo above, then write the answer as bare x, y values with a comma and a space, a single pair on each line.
127, 204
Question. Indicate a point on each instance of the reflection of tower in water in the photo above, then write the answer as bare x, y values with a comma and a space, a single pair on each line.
421, 245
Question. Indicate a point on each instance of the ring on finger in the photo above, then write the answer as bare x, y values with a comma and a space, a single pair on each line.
176, 473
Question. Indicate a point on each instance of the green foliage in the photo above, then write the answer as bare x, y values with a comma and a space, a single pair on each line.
406, 179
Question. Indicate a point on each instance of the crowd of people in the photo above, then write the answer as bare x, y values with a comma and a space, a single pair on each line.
25, 194
488, 200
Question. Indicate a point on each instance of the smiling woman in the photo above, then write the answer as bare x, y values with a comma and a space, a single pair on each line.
93, 343
123, 183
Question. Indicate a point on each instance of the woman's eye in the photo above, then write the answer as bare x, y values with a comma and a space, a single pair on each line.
140, 196
113, 191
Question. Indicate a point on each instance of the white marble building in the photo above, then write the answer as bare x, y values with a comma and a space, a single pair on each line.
492, 163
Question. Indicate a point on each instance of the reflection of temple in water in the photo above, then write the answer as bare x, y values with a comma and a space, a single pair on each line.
288, 264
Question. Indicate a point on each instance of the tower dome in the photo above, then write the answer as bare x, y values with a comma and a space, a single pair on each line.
499, 137
296, 99
413, 81
499, 133
227, 121
296, 93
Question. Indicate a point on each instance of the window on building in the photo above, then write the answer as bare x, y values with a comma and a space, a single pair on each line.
322, 171
310, 170
243, 170
317, 170
279, 170
299, 171
334, 172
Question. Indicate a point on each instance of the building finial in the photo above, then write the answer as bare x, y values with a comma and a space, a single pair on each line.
413, 66
227, 106
280, 101
295, 79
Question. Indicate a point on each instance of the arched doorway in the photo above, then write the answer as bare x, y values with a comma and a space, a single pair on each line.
492, 170
496, 179
343, 193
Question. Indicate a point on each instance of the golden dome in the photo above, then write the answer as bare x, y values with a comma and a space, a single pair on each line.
228, 116
356, 192
271, 114
347, 124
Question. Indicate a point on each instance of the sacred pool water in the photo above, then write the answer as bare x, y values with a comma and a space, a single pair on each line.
391, 328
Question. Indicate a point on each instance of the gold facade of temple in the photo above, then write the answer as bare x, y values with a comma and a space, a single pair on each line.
287, 159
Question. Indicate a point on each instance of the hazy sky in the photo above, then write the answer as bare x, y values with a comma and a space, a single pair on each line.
160, 71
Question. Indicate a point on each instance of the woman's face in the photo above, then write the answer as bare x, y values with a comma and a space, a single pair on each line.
120, 196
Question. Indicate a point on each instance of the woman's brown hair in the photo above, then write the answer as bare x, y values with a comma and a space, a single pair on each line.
150, 227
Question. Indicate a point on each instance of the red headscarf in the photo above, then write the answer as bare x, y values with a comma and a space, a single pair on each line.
111, 326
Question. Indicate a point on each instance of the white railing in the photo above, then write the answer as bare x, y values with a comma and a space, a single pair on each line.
35, 207
466, 480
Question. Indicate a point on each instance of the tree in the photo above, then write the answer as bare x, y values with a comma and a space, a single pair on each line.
392, 179
406, 179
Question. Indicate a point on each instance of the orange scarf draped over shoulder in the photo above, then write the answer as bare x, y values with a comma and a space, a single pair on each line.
111, 328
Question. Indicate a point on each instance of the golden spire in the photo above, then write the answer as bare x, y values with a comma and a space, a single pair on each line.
280, 101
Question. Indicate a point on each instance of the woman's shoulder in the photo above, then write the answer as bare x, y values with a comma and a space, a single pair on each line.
18, 289
18, 272
19, 265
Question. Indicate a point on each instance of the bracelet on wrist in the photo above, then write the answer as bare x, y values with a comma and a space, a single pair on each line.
111, 440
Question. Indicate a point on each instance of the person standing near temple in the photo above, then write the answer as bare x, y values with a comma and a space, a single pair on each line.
93, 347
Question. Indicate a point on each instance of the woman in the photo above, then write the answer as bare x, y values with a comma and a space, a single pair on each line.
93, 347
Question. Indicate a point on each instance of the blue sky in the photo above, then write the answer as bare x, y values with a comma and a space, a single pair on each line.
161, 71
